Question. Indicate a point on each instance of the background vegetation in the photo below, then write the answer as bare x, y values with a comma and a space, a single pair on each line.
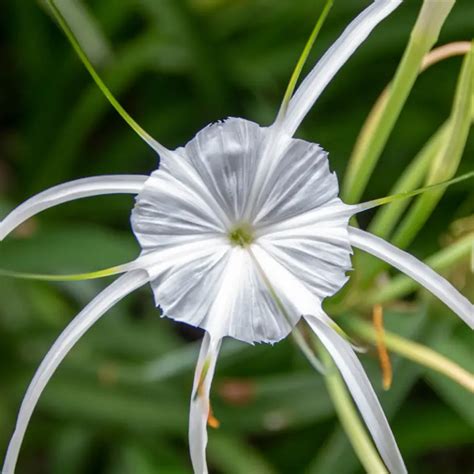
119, 403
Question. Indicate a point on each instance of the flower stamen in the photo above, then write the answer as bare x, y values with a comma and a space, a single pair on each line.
385, 364
242, 235
212, 421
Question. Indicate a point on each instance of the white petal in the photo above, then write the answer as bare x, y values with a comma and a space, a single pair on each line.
221, 290
205, 188
225, 177
335, 57
225, 155
296, 297
81, 188
217, 289
362, 392
80, 324
293, 180
186, 281
244, 307
417, 270
169, 211
314, 247
233, 171
199, 409
202, 191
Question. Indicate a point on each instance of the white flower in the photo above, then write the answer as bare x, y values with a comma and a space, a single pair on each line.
242, 234
234, 205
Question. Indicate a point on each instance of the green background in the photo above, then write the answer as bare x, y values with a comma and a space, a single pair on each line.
119, 403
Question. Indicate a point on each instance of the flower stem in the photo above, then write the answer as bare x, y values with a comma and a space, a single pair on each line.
370, 147
370, 126
416, 352
74, 277
98, 80
304, 56
386, 218
349, 417
446, 162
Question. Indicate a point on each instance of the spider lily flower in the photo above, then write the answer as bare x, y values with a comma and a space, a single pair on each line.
242, 234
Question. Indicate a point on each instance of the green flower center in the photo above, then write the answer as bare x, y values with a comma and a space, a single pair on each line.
242, 235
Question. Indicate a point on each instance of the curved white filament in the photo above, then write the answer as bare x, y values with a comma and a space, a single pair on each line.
415, 269
335, 57
78, 189
200, 406
361, 390
76, 329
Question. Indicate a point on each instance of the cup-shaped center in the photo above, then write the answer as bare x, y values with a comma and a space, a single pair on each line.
242, 235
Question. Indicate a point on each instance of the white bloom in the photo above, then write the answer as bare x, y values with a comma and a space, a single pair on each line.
230, 207
242, 234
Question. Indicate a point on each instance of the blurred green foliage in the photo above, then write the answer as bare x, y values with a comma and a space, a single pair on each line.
119, 403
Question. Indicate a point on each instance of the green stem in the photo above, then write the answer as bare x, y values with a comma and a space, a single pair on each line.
385, 220
448, 158
416, 352
365, 157
439, 185
349, 417
304, 56
104, 89
74, 277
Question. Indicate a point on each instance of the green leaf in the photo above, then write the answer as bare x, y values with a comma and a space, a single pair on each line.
70, 34
136, 58
460, 400
69, 398
304, 56
86, 29
441, 261
67, 248
70, 447
134, 457
349, 418
448, 158
232, 455
423, 37
441, 429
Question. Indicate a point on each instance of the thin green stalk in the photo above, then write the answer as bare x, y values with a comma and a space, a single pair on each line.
349, 417
417, 353
433, 57
447, 161
424, 35
86, 29
74, 277
386, 219
304, 56
104, 89
130, 62
439, 185
402, 285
